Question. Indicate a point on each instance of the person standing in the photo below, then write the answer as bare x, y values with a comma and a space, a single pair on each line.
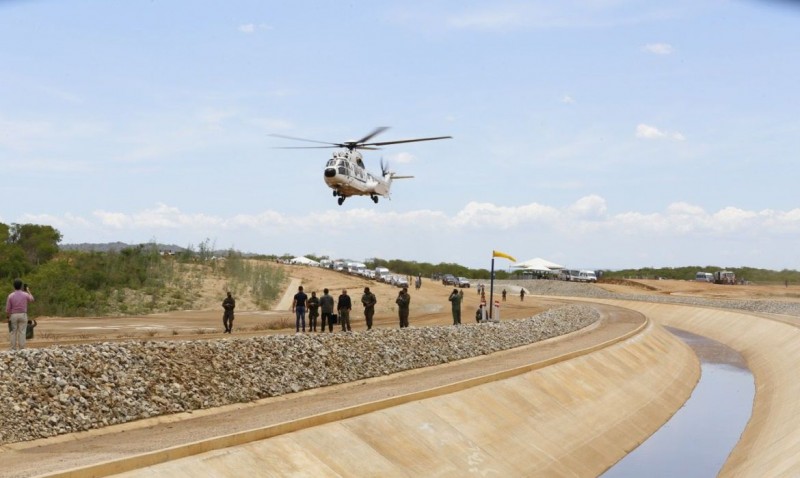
504, 295
368, 300
343, 307
313, 312
17, 313
521, 295
299, 307
403, 302
326, 307
455, 299
227, 317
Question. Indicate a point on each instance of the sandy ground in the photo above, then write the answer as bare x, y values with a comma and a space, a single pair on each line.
429, 306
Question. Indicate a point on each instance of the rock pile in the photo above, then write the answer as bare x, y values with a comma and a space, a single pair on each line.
63, 389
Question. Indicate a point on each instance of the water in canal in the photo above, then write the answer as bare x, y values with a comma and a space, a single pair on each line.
697, 440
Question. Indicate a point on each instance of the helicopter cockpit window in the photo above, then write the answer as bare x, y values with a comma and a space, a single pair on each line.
331, 162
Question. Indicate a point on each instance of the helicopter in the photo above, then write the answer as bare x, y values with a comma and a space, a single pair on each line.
345, 172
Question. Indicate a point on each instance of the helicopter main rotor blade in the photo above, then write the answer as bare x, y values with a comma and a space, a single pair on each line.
378, 130
306, 147
384, 143
332, 145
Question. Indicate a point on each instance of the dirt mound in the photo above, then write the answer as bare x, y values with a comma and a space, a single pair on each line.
627, 283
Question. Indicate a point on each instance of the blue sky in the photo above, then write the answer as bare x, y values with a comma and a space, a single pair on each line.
597, 133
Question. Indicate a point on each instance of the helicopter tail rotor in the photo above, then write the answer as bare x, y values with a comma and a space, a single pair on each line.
384, 167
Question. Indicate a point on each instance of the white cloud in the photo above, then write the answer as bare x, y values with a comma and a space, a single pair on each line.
651, 132
249, 28
589, 207
677, 217
584, 231
568, 100
659, 48
402, 158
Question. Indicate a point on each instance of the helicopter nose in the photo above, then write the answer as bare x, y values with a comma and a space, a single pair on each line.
330, 172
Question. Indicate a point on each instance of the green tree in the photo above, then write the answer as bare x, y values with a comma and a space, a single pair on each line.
39, 243
12, 261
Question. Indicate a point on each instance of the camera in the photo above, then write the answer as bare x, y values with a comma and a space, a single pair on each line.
25, 287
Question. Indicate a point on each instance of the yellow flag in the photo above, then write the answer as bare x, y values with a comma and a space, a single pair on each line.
501, 254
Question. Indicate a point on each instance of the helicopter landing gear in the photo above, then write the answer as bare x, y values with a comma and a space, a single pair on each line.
374, 199
335, 193
341, 200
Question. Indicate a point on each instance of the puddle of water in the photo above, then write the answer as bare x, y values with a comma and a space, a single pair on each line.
697, 440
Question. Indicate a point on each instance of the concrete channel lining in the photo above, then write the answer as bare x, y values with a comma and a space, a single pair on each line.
576, 416
770, 344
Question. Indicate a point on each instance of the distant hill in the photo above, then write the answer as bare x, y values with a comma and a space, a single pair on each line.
115, 246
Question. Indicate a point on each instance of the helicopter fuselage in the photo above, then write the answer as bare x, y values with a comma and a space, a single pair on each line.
346, 175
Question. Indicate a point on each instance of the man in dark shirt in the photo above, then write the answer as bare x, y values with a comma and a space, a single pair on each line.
326, 307
227, 317
368, 300
299, 307
403, 302
313, 312
343, 306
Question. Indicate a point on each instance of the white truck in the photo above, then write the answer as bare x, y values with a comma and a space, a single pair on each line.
381, 272
575, 275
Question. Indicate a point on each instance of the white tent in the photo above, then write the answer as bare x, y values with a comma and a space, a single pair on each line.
538, 264
305, 261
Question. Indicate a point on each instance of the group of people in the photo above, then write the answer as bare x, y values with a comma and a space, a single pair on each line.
323, 308
320, 310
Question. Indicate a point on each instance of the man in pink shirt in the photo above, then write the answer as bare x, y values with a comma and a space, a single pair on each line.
17, 313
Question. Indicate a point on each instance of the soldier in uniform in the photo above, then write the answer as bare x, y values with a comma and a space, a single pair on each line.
368, 300
227, 317
455, 299
343, 306
326, 306
403, 301
313, 312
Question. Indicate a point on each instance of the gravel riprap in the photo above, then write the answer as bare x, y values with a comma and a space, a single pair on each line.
64, 389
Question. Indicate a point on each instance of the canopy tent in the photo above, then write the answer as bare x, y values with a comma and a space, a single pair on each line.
538, 264
305, 261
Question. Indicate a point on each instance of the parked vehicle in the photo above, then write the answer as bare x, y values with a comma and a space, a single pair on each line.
576, 275
462, 282
569, 275
587, 276
449, 279
380, 272
724, 277
704, 277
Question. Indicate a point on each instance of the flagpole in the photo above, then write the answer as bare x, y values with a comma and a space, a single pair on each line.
491, 290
